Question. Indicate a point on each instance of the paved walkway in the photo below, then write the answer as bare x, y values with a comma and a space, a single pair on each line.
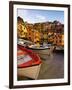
52, 67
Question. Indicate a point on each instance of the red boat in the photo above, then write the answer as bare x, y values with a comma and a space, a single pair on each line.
28, 62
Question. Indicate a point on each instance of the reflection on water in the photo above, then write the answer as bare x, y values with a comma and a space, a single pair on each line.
52, 66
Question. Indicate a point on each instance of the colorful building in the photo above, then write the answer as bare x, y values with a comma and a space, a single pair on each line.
37, 38
40, 33
50, 37
21, 28
58, 39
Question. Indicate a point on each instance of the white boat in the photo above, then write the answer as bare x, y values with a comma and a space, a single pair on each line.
43, 50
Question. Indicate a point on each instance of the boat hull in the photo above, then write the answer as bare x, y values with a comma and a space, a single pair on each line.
30, 72
31, 68
44, 53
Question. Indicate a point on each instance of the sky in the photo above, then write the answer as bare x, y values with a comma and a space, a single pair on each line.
35, 16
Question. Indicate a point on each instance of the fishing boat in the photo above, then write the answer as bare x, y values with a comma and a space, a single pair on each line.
58, 49
42, 51
28, 63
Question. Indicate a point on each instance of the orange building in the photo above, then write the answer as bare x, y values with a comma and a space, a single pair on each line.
58, 39
33, 35
30, 35
50, 37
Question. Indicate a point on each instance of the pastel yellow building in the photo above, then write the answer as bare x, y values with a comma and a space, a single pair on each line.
50, 37
37, 38
21, 29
